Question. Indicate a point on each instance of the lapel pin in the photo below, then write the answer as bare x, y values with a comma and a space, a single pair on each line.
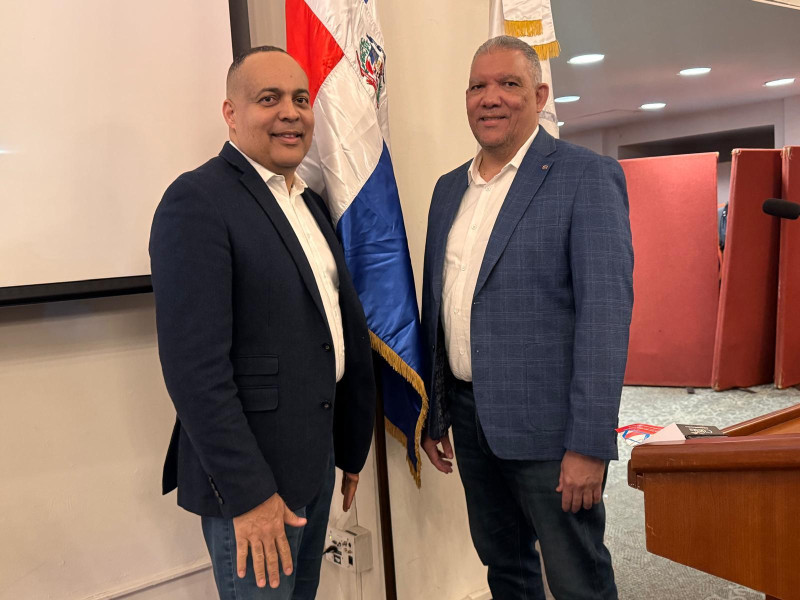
544, 167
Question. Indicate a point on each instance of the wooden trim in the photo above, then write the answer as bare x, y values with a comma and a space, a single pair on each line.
763, 452
764, 421
163, 579
75, 290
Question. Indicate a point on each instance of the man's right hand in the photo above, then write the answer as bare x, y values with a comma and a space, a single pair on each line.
436, 456
262, 532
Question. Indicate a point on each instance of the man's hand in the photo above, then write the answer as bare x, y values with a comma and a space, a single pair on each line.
436, 456
261, 530
349, 485
581, 481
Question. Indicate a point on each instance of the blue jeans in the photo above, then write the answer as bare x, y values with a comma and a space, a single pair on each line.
513, 503
306, 543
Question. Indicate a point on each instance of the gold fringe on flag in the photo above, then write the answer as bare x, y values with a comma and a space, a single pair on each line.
548, 51
399, 365
524, 28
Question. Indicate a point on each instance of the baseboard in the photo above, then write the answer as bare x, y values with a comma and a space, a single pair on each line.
484, 594
143, 585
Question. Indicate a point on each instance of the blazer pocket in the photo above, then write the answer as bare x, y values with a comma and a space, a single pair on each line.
259, 399
251, 372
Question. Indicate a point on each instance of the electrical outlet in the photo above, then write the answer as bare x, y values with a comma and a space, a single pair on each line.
349, 548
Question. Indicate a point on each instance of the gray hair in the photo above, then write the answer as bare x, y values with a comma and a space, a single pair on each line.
507, 42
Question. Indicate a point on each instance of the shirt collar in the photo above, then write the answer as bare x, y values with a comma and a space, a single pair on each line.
474, 175
298, 184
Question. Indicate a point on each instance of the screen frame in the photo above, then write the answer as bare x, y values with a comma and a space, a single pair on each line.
117, 286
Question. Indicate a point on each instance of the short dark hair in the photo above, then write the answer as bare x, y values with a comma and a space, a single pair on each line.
506, 42
240, 58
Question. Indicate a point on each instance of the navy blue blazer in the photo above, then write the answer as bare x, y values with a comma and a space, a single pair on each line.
246, 349
551, 310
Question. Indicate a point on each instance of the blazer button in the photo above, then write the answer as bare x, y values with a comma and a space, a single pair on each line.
326, 346
326, 405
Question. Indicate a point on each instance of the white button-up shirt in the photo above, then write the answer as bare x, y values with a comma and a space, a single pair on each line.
315, 247
466, 246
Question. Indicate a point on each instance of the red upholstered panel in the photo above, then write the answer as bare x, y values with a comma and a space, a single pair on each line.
673, 202
787, 346
744, 348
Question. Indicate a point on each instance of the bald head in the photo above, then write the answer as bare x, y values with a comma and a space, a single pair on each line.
232, 82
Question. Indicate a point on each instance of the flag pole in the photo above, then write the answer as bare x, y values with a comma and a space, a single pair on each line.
384, 503
240, 26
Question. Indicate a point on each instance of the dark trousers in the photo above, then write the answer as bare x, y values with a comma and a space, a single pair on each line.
307, 544
512, 504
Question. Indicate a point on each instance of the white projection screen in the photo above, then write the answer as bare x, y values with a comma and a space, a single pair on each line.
103, 104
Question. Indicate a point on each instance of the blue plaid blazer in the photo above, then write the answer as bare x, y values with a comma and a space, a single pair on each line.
551, 310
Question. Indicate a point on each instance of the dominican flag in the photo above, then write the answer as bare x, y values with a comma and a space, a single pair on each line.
340, 46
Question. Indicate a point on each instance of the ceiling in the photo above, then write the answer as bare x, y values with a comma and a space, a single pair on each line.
646, 43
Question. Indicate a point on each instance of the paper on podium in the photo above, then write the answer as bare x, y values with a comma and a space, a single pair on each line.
642, 433
677, 432
638, 433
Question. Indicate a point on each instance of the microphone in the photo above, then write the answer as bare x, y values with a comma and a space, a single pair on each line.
783, 209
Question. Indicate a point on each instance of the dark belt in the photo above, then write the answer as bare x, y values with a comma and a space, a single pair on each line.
462, 385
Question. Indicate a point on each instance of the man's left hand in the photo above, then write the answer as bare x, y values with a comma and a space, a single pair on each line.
349, 485
581, 481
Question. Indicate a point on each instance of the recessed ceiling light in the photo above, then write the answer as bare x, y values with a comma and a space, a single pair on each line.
777, 82
695, 71
563, 99
586, 59
653, 106
560, 123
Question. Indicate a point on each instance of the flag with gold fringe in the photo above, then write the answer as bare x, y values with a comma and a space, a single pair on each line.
340, 46
532, 22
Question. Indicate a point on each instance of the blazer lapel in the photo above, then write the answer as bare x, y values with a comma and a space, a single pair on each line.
260, 191
451, 203
532, 171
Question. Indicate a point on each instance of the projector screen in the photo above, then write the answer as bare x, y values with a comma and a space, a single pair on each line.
104, 104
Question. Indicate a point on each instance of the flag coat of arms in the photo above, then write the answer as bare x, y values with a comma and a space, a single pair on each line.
340, 46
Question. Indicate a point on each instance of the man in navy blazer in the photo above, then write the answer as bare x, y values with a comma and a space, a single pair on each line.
526, 308
263, 342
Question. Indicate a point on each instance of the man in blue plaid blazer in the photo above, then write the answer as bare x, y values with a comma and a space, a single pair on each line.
526, 308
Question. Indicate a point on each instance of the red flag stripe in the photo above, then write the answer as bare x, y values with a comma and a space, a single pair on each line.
310, 44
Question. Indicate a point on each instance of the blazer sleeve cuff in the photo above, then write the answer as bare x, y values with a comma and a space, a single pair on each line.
246, 497
592, 440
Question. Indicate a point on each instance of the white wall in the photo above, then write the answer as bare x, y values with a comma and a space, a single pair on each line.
791, 121
429, 48
86, 421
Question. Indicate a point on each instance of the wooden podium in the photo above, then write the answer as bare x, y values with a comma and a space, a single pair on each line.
729, 506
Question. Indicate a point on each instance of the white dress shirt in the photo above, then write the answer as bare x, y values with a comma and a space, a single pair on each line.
315, 248
466, 246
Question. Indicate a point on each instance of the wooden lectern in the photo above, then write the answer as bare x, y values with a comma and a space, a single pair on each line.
729, 506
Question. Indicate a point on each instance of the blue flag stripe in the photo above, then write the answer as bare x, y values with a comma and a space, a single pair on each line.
376, 250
